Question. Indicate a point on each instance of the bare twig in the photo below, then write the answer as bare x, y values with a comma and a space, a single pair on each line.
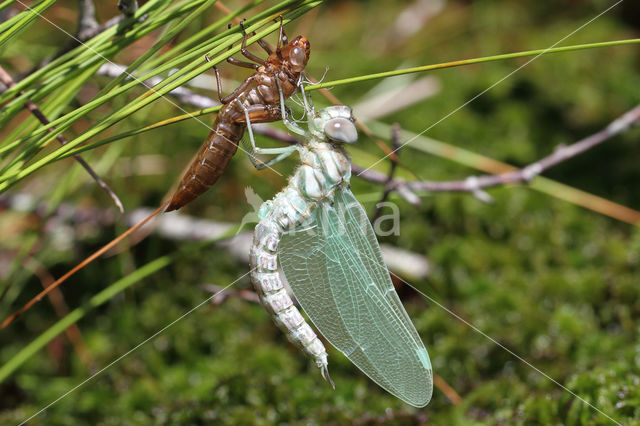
398, 186
182, 94
116, 20
84, 33
395, 142
128, 7
529, 172
407, 189
86, 17
447, 390
222, 294
475, 184
33, 108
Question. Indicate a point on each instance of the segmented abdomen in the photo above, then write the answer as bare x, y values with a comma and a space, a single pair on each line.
269, 286
210, 162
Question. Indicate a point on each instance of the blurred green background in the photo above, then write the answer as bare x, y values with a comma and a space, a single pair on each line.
555, 283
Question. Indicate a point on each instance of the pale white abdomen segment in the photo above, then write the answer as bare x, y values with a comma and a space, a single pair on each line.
269, 286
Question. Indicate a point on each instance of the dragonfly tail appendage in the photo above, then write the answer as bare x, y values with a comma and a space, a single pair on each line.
324, 370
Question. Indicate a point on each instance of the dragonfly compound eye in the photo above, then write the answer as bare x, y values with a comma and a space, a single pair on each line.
297, 57
341, 130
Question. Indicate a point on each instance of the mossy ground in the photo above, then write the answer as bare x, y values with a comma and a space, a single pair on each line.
552, 282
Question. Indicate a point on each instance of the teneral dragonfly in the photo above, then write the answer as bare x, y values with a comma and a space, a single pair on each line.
320, 234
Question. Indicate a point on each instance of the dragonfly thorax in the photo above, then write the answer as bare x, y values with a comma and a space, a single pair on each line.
324, 167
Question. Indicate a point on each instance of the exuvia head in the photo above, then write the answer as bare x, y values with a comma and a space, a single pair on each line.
337, 123
296, 53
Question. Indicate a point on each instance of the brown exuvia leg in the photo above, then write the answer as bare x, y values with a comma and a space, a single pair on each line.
235, 93
265, 46
243, 64
282, 38
244, 50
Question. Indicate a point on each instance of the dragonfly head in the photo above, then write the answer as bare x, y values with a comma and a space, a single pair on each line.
296, 53
337, 123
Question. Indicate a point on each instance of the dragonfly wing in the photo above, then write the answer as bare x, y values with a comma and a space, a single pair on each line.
335, 269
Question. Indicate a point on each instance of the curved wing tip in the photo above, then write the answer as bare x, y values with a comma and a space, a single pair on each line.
421, 400
419, 403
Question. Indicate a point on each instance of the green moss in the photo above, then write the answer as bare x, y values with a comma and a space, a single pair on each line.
553, 283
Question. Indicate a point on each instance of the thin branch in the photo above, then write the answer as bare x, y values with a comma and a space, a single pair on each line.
405, 189
128, 7
86, 17
83, 34
181, 93
221, 296
475, 184
395, 143
6, 79
526, 174
447, 390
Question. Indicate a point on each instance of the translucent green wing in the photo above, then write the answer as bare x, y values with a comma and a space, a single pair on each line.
335, 269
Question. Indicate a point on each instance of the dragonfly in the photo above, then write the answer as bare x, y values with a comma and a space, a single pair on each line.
320, 235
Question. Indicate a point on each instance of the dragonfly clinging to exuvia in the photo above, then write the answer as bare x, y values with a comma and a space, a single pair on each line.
320, 235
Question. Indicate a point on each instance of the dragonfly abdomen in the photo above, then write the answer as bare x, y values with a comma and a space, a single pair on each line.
269, 286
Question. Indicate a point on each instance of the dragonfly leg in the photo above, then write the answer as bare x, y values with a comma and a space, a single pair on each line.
225, 100
281, 153
308, 103
289, 124
244, 64
311, 113
245, 52
286, 151
218, 83
282, 38
265, 46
